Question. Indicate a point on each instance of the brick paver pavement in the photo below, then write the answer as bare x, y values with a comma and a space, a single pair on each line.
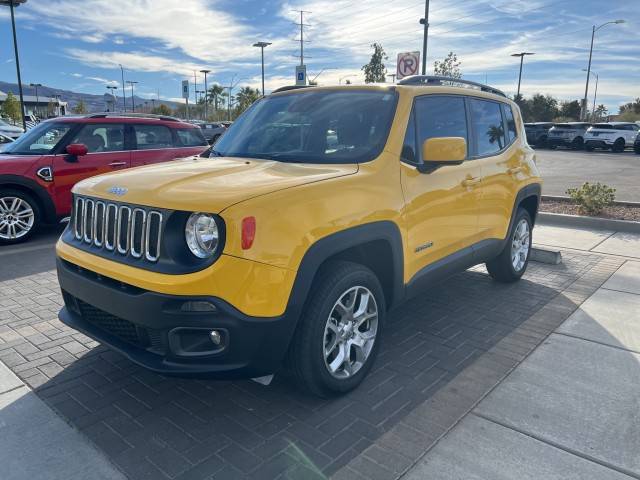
442, 353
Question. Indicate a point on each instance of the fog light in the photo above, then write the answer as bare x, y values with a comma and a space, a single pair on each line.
198, 306
215, 336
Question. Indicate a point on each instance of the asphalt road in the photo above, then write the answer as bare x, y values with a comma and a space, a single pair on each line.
562, 169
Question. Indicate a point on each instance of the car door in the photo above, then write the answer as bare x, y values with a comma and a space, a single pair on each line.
106, 152
441, 207
153, 143
493, 140
630, 134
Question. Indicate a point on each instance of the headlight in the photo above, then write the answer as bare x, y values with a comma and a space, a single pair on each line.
202, 235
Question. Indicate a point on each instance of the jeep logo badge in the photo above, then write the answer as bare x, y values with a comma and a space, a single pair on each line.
119, 191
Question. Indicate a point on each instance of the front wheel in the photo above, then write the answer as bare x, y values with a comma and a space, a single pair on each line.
19, 216
578, 143
618, 146
589, 148
512, 262
338, 335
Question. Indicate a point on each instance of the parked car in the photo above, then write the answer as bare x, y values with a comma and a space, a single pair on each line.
569, 135
283, 250
614, 136
537, 133
4, 141
38, 171
11, 131
636, 144
213, 131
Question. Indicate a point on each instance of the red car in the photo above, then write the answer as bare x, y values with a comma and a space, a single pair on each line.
39, 169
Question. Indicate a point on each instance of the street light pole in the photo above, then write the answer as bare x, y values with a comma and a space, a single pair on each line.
12, 4
425, 21
595, 95
113, 88
133, 102
262, 45
36, 85
521, 55
206, 93
124, 94
583, 107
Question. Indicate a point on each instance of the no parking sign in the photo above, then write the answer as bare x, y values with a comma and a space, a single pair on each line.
408, 64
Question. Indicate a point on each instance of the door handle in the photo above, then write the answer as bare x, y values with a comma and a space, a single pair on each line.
470, 182
514, 170
118, 164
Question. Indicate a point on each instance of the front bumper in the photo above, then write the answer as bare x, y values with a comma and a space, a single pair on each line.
147, 327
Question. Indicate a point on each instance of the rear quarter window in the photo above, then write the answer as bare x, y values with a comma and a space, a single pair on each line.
150, 137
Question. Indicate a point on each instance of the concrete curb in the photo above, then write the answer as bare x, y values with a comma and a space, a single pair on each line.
578, 221
561, 198
544, 255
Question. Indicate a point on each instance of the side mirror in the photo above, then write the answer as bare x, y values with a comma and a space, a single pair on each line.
442, 151
75, 150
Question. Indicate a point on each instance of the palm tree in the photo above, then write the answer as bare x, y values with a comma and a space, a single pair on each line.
215, 92
496, 134
246, 96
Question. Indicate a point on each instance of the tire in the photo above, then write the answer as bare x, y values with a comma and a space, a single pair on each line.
20, 216
588, 148
542, 142
324, 323
637, 150
578, 143
502, 268
618, 145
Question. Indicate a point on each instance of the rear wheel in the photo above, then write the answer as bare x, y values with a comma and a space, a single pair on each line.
588, 148
578, 143
338, 335
618, 145
512, 262
19, 216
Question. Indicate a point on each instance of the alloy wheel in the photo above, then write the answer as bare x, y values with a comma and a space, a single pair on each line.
520, 245
350, 332
16, 218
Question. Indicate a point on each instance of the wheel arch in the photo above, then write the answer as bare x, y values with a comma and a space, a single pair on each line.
376, 245
30, 187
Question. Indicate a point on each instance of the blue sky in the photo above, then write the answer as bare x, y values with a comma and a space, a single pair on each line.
78, 44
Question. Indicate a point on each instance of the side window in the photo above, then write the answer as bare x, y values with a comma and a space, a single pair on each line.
487, 126
409, 145
440, 116
191, 137
107, 137
512, 133
150, 137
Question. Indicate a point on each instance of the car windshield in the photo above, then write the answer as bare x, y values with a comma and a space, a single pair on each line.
603, 126
39, 140
325, 126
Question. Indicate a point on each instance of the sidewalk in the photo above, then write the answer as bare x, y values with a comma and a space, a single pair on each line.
571, 408
36, 443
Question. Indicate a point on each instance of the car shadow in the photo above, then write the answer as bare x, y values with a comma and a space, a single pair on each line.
153, 426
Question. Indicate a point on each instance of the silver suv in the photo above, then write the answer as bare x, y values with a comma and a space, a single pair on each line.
569, 135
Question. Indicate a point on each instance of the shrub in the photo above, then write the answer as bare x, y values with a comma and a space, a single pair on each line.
592, 197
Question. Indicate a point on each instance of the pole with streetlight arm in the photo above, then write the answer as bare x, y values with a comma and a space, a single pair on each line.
36, 85
595, 95
206, 93
124, 94
113, 88
521, 55
12, 4
425, 21
262, 45
133, 102
583, 107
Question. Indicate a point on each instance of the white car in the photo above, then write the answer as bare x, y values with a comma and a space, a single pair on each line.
615, 136
10, 130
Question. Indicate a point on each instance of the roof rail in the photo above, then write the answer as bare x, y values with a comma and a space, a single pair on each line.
291, 87
448, 82
133, 115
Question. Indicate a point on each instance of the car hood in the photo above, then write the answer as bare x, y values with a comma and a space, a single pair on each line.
10, 128
206, 184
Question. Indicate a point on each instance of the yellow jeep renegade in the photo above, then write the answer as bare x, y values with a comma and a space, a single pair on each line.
318, 211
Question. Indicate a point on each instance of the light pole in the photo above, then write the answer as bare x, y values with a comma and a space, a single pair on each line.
205, 92
124, 94
12, 4
583, 107
113, 88
201, 92
261, 45
595, 95
133, 102
425, 21
521, 55
36, 85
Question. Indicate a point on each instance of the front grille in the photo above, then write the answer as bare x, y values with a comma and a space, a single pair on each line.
146, 338
126, 230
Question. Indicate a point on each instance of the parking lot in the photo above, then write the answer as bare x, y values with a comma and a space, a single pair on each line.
562, 169
156, 427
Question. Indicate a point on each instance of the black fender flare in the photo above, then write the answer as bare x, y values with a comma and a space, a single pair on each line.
335, 243
48, 208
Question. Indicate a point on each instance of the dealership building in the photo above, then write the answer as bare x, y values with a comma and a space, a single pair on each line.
40, 106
